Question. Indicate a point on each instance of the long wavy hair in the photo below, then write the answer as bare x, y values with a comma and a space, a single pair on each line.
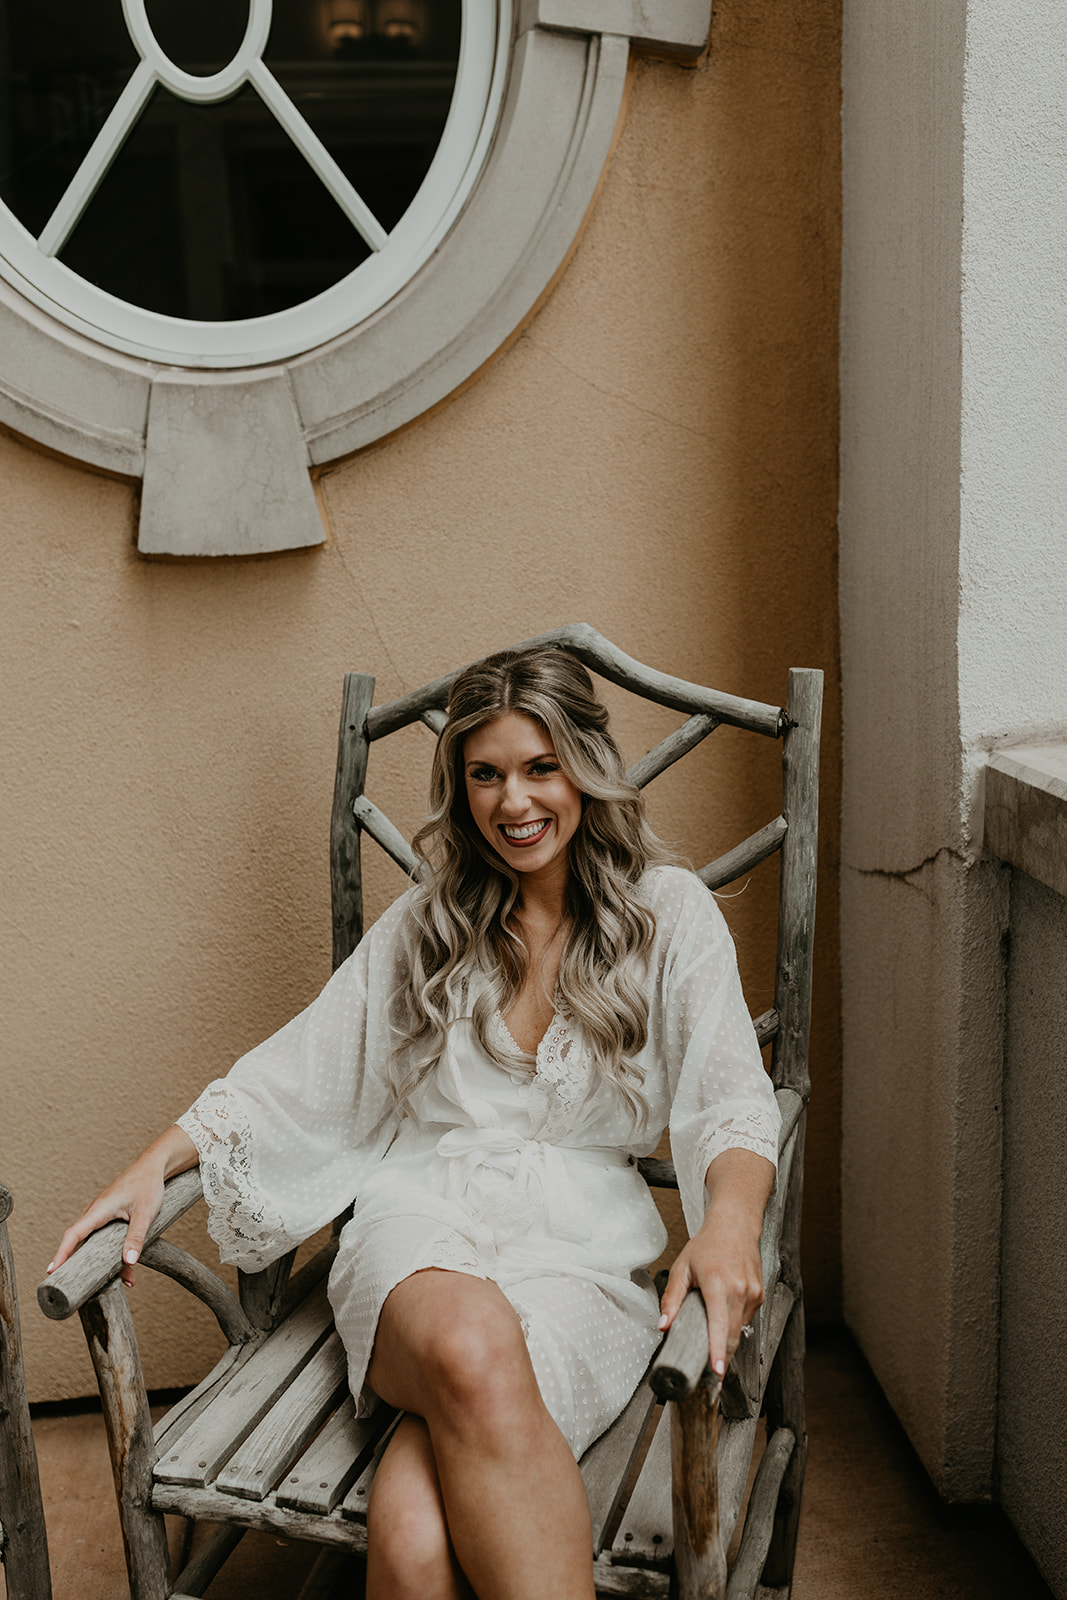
462, 928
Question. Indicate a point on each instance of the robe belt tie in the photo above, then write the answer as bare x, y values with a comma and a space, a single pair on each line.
541, 1173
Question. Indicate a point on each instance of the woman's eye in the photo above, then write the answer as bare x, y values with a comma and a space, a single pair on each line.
483, 774
544, 769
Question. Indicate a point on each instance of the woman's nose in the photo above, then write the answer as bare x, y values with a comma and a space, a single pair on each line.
515, 798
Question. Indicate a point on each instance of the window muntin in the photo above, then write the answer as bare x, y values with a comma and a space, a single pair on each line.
302, 188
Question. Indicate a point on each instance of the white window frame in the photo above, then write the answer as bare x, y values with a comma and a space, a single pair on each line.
224, 450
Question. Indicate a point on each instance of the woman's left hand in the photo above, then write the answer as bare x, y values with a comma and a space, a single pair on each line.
723, 1259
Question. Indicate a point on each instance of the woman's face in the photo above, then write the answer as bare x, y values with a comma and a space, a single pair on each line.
520, 798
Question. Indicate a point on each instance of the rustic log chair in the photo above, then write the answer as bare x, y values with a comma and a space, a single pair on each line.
23, 1545
269, 1440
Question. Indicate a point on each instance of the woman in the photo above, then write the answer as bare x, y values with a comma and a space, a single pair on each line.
480, 1075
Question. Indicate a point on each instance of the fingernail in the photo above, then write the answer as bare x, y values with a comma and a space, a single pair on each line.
131, 1256
720, 1367
663, 1322
50, 1266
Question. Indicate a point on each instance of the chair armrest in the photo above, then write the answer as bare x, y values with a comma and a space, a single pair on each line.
99, 1259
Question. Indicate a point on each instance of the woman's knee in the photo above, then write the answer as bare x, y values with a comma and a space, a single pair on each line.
480, 1371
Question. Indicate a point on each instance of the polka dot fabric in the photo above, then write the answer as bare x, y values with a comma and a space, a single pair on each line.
530, 1183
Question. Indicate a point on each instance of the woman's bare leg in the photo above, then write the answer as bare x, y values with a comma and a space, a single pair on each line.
450, 1349
409, 1552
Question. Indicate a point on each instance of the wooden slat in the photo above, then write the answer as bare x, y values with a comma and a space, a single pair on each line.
601, 656
289, 1425
607, 1462
766, 1026
99, 1259
354, 1504
745, 856
389, 837
209, 1504
636, 1583
671, 749
238, 1408
332, 1462
645, 1532
777, 1315
184, 1412
434, 719
736, 1440
759, 1521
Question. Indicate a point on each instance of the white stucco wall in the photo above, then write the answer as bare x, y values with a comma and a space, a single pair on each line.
953, 592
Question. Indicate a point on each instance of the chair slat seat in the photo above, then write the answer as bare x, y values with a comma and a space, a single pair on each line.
243, 1402
290, 1424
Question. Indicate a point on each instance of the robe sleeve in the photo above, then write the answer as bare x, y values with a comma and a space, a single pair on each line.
721, 1097
286, 1138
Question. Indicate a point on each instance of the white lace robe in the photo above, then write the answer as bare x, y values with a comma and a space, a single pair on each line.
528, 1182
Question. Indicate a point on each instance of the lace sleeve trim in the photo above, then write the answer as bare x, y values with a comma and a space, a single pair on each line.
245, 1228
737, 1133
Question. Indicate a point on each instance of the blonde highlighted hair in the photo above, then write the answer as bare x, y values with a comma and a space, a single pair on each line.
460, 938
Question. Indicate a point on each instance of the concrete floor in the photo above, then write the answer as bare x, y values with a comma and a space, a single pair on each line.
872, 1526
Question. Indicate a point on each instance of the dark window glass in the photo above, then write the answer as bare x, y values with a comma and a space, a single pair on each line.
210, 212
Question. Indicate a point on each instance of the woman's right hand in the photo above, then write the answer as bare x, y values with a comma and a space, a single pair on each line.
134, 1197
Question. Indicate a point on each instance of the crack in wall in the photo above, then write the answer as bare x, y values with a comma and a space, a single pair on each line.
906, 874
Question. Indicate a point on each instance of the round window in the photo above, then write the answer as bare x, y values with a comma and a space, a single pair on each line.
220, 183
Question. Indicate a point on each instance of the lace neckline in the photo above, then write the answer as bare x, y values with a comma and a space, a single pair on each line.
555, 1018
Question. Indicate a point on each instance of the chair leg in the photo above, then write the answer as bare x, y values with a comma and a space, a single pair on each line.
785, 1409
109, 1332
23, 1544
699, 1559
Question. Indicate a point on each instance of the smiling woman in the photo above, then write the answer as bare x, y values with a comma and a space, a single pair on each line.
519, 796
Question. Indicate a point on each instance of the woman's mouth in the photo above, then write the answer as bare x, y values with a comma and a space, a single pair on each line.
523, 833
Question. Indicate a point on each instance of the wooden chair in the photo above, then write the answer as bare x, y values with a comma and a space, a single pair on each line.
23, 1545
269, 1439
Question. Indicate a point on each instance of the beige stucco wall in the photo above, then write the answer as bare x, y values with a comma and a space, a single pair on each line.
656, 454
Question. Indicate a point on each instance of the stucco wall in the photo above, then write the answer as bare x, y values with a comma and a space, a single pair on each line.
656, 454
1032, 1402
953, 591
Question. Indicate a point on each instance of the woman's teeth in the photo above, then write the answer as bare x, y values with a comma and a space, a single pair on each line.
525, 831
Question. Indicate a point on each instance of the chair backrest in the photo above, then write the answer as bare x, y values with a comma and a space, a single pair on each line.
792, 834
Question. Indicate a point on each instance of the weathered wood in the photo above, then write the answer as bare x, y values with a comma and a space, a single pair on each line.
264, 1293
346, 878
765, 1026
796, 905
216, 1549
173, 1262
334, 1460
300, 1284
785, 1398
288, 1427
170, 1427
683, 1355
602, 657
790, 1106
777, 1314
671, 749
759, 1519
211, 1505
434, 719
744, 856
354, 1504
736, 1443
636, 1583
23, 1541
606, 1464
644, 1534
390, 838
699, 1556
108, 1326
656, 1173
99, 1259
242, 1403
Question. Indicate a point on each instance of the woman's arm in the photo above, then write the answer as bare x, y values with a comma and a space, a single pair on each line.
722, 1259
134, 1197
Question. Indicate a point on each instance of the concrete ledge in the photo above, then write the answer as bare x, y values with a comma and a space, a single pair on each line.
1026, 811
